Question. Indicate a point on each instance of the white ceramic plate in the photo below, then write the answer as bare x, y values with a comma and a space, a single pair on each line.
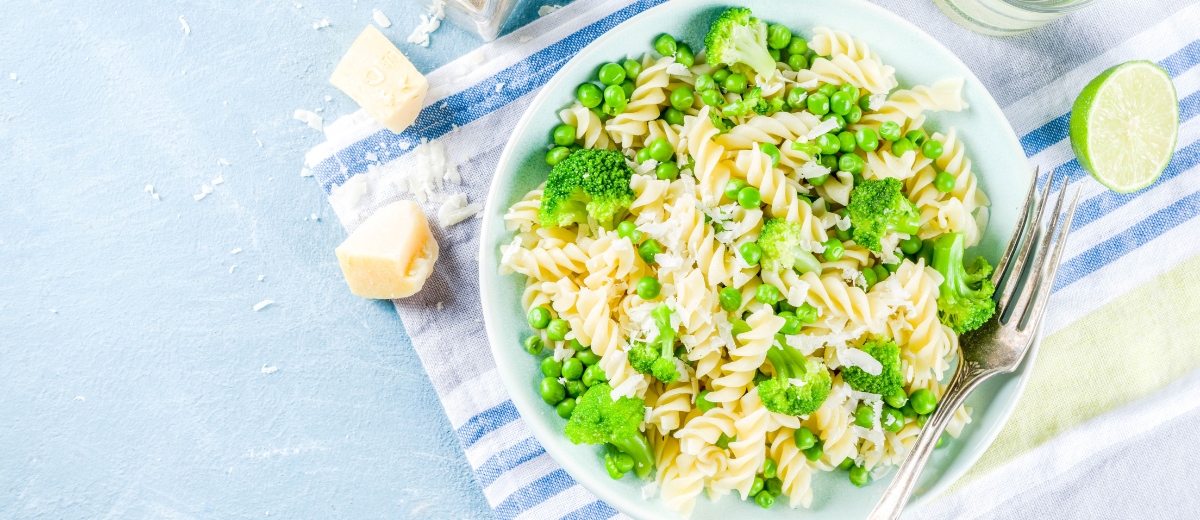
918, 59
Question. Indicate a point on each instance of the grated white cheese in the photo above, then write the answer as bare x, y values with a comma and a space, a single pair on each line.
678, 69
186, 29
547, 9
381, 18
309, 118
236, 251
429, 23
269, 370
649, 490
821, 129
455, 209
218, 180
811, 170
260, 305
204, 191
875, 102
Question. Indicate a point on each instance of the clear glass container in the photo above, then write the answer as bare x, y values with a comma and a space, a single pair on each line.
483, 17
1008, 17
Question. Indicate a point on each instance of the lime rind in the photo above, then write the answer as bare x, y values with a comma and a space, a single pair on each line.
1124, 125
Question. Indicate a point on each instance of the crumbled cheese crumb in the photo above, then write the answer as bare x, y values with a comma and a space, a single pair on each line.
236, 251
439, 306
875, 102
525, 39
305, 172
328, 98
821, 129
222, 162
80, 398
218, 180
269, 370
315, 217
150, 190
321, 24
455, 209
649, 490
310, 118
13, 76
499, 87
477, 56
547, 9
260, 305
260, 277
381, 18
231, 268
204, 191
429, 23
186, 29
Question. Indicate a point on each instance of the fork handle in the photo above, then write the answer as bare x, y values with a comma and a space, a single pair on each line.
966, 378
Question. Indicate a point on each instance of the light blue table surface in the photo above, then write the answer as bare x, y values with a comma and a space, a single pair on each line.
131, 362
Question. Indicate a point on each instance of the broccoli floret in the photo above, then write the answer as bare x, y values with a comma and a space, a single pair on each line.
780, 395
780, 243
965, 296
598, 419
878, 207
588, 182
888, 381
657, 357
754, 102
739, 40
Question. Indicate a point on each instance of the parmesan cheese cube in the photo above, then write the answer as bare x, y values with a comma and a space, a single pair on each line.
380, 79
391, 254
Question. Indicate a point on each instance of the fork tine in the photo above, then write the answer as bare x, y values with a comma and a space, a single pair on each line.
1039, 308
1015, 240
1002, 305
1032, 288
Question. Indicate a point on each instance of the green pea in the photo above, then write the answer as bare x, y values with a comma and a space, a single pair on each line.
911, 245
931, 149
921, 420
703, 403
831, 162
623, 462
661, 149
772, 151
665, 45
712, 98
797, 62
565, 408
923, 401
847, 142
751, 253
901, 147
843, 234
864, 416
916, 136
944, 182
815, 452
774, 486
870, 277
683, 55
648, 288
730, 298
859, 476
804, 438
864, 103
552, 391
628, 87
858, 179
539, 317
732, 187
818, 104
533, 345
891, 268
851, 90
851, 163
941, 439
829, 144
892, 420
757, 486
564, 135
881, 272
720, 75
682, 98
767, 294
847, 463
926, 252
648, 249
840, 103
575, 387
587, 357
828, 89
589, 95
740, 327
612, 74
797, 45
558, 329
764, 499
736, 83
749, 197
776, 55
610, 464
672, 116
557, 155
551, 367
769, 468
642, 155
841, 122
834, 249
599, 110
614, 95
632, 68
791, 324
594, 375
819, 180
890, 131
612, 110
724, 440
629, 230
867, 140
705, 82
784, 306
806, 313
667, 171
907, 410
797, 99
572, 368
778, 37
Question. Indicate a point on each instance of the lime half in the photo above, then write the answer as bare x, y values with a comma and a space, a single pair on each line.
1123, 125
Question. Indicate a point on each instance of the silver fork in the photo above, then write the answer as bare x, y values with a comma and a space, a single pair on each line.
999, 345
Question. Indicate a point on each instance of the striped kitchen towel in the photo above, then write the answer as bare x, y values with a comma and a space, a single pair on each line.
1125, 247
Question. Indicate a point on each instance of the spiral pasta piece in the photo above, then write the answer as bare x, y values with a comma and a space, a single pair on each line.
906, 105
774, 129
780, 198
793, 468
643, 105
587, 126
672, 404
747, 356
706, 153
828, 42
864, 74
